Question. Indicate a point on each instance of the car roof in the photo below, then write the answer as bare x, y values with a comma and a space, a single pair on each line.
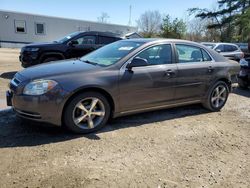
157, 40
107, 34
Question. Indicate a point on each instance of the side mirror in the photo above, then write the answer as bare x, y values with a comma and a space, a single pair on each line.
137, 62
218, 50
73, 43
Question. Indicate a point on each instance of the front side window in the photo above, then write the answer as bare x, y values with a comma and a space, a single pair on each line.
85, 40
191, 54
220, 48
68, 37
20, 26
157, 55
40, 29
111, 53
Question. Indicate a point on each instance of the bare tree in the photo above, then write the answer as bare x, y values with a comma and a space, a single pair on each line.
198, 31
149, 23
103, 18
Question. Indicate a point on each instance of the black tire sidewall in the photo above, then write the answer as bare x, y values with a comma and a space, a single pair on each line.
67, 116
209, 102
49, 59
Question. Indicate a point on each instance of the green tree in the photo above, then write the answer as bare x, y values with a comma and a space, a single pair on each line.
230, 18
173, 28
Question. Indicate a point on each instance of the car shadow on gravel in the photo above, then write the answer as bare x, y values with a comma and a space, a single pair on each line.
242, 92
8, 75
17, 133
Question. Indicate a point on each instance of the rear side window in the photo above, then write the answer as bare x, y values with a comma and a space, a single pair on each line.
230, 48
86, 40
191, 54
106, 40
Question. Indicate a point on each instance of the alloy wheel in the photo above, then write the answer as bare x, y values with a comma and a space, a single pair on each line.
88, 113
219, 96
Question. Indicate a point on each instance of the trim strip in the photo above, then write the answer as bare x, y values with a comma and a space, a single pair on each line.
162, 106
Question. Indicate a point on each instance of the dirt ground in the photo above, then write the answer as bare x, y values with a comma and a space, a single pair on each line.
180, 147
9, 64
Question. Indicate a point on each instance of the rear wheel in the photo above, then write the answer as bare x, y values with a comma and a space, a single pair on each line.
87, 112
217, 96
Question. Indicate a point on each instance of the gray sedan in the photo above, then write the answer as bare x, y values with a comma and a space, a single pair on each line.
125, 77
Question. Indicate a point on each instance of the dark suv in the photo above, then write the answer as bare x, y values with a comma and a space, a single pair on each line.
72, 46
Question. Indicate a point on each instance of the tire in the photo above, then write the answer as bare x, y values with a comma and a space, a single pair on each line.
216, 101
49, 59
86, 113
242, 84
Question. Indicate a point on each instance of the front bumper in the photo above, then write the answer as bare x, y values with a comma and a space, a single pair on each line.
28, 59
47, 108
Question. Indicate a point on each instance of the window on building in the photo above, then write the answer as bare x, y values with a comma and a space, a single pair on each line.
40, 28
20, 26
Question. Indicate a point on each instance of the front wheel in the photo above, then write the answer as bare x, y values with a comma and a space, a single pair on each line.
87, 112
217, 97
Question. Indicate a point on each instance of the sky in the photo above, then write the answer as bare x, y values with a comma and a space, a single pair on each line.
118, 10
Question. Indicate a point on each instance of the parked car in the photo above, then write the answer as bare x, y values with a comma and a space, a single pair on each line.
244, 75
72, 46
125, 77
231, 51
244, 49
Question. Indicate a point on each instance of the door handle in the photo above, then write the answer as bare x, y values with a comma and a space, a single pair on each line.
210, 69
169, 72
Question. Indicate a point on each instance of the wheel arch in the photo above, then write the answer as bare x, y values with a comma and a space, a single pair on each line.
45, 55
91, 89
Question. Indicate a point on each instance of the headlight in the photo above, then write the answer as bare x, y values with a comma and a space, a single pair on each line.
31, 49
39, 87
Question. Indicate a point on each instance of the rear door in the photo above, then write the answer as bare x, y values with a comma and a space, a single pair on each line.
195, 70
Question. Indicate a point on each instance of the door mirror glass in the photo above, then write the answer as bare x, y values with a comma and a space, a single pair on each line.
137, 62
218, 50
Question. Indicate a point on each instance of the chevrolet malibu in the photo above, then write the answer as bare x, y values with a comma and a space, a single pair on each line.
125, 77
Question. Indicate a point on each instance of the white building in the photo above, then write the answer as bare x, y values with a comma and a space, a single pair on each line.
17, 29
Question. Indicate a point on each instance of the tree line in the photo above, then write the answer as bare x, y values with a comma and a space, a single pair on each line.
229, 22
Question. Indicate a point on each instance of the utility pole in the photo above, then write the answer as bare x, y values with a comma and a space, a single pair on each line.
130, 13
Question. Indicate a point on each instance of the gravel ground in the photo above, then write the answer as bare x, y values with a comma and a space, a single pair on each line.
180, 147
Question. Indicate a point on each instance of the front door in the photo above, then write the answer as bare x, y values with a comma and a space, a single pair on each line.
151, 85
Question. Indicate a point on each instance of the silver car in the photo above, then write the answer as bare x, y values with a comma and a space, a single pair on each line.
231, 51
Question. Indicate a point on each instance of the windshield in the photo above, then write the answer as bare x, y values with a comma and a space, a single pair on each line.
112, 53
66, 38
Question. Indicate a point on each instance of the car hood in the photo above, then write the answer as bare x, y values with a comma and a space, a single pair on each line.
57, 68
37, 45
